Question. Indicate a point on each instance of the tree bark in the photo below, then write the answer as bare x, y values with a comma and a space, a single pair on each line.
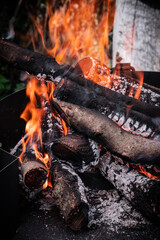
69, 196
106, 132
136, 35
127, 118
77, 150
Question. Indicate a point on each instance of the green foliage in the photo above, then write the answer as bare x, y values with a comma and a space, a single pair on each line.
19, 86
5, 86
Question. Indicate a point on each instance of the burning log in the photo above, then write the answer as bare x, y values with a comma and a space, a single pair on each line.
103, 130
123, 79
69, 196
34, 171
77, 149
37, 63
142, 192
129, 119
97, 91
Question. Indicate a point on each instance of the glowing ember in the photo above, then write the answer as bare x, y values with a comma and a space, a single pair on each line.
153, 173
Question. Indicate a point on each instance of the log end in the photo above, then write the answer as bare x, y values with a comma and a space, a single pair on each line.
34, 174
74, 148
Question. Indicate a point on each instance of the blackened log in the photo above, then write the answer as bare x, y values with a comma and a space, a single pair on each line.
129, 119
37, 63
104, 131
34, 171
123, 79
76, 149
51, 126
142, 192
69, 196
27, 60
115, 97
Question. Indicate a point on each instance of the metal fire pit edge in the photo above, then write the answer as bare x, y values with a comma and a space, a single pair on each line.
10, 197
10, 133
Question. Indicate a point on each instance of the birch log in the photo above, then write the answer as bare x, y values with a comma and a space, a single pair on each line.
136, 35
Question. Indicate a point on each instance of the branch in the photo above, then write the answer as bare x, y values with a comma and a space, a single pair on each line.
106, 132
37, 63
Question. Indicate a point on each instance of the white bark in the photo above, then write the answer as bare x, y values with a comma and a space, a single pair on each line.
136, 35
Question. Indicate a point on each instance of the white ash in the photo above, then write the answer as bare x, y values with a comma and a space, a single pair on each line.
123, 85
153, 96
121, 120
129, 124
111, 209
57, 79
131, 178
41, 76
96, 151
106, 207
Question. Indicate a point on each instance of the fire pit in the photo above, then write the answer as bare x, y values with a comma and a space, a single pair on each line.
89, 152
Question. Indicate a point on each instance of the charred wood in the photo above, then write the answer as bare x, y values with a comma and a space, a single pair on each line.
103, 130
37, 63
129, 82
34, 171
69, 196
142, 192
124, 116
51, 126
123, 79
76, 149
27, 60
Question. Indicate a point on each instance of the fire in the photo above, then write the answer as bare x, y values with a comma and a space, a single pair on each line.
78, 29
38, 93
79, 32
75, 31
149, 173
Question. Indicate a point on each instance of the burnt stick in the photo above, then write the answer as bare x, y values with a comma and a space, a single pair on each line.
69, 195
37, 63
104, 131
76, 149
34, 171
71, 92
142, 192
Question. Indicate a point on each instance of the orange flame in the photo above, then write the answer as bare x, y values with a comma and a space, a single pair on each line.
33, 114
146, 172
78, 29
76, 33
38, 92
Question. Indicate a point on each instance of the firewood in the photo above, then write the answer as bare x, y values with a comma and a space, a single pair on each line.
27, 60
51, 126
142, 192
116, 97
39, 64
106, 132
129, 119
123, 79
34, 171
76, 149
69, 196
